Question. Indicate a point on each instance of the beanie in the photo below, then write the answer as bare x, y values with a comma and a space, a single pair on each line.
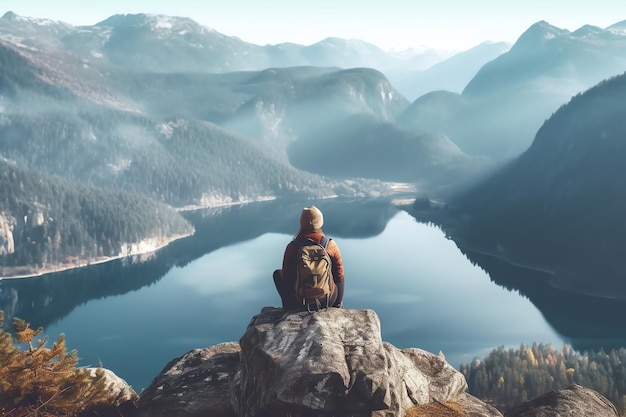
311, 218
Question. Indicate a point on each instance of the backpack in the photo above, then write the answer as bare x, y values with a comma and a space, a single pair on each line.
314, 277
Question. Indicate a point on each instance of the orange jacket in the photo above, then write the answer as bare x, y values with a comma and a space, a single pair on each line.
289, 259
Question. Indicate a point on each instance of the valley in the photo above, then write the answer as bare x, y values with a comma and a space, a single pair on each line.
152, 170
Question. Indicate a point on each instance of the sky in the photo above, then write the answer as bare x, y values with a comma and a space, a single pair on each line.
450, 25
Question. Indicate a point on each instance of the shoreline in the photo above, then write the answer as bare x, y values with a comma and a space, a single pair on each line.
84, 263
553, 278
88, 262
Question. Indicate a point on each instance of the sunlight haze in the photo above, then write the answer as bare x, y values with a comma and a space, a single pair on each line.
451, 25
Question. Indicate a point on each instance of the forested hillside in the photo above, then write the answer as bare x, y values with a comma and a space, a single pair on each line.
370, 147
51, 222
183, 139
181, 161
508, 377
559, 205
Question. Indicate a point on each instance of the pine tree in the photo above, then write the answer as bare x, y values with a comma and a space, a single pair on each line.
45, 382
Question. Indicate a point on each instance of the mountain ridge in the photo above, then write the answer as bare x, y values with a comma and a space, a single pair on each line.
558, 205
511, 96
77, 107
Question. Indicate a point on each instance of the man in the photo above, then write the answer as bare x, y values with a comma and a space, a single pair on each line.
311, 221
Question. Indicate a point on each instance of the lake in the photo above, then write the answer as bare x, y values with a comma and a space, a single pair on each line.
135, 315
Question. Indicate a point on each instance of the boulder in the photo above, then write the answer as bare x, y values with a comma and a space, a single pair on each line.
120, 399
573, 401
334, 361
195, 384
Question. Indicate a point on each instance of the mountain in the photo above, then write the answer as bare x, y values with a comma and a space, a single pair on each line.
179, 44
559, 206
337, 52
272, 106
545, 53
168, 44
363, 145
452, 74
618, 28
511, 96
149, 139
141, 104
433, 110
184, 139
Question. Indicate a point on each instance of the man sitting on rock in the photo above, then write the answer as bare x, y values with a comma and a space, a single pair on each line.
311, 221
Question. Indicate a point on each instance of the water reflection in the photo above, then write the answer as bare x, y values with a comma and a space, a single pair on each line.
44, 300
590, 323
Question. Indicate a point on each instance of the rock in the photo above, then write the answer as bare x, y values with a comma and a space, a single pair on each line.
195, 384
330, 363
573, 401
7, 243
121, 399
465, 406
334, 361
473, 407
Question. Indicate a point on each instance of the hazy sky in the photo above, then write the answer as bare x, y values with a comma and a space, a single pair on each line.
390, 24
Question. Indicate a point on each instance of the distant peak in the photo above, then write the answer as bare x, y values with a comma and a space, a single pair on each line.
13, 17
587, 30
9, 16
154, 21
124, 20
333, 41
544, 27
128, 19
618, 28
341, 43
539, 33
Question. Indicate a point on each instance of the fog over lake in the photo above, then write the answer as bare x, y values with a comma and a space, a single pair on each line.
425, 291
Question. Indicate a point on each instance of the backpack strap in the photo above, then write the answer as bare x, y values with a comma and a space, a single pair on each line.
324, 242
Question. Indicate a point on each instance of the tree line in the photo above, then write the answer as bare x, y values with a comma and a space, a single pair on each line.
52, 220
508, 377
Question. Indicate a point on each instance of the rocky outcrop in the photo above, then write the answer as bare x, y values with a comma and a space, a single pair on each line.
331, 362
335, 361
194, 385
120, 398
574, 401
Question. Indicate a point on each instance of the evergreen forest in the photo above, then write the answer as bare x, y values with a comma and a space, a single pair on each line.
508, 377
54, 220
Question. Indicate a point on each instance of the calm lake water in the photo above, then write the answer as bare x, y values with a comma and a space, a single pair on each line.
134, 317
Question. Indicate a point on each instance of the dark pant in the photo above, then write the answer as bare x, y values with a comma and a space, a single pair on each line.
290, 302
